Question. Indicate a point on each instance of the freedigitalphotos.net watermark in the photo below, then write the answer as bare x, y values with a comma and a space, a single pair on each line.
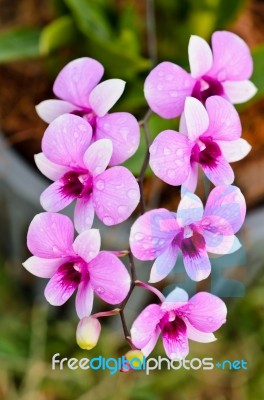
114, 365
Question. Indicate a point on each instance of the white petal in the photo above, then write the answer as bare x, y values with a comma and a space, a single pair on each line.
105, 95
234, 150
239, 91
197, 120
200, 56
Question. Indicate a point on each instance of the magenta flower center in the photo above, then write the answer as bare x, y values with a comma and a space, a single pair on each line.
207, 87
172, 325
88, 115
77, 184
206, 152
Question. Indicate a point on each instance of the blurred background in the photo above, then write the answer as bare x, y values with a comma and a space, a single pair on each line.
37, 38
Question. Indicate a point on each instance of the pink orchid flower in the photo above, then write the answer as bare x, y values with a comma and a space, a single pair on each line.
79, 173
209, 136
160, 234
74, 264
178, 319
77, 86
222, 71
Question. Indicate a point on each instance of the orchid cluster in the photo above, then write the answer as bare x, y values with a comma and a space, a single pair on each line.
82, 149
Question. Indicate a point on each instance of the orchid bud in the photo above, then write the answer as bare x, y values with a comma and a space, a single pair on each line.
88, 332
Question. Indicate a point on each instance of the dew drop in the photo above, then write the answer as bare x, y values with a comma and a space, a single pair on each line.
171, 173
106, 126
108, 220
55, 249
139, 236
166, 151
132, 194
179, 162
122, 210
100, 185
160, 87
173, 94
100, 290
179, 152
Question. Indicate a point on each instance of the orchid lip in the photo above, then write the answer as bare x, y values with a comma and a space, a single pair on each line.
77, 184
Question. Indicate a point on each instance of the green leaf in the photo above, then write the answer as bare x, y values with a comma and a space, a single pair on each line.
58, 33
18, 44
90, 18
227, 11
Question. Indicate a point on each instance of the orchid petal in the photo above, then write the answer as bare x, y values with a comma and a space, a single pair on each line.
145, 324
105, 95
175, 341
195, 258
48, 110
164, 264
190, 210
197, 120
84, 299
97, 156
239, 91
42, 267
83, 214
200, 56
235, 150
53, 199
48, 168
87, 244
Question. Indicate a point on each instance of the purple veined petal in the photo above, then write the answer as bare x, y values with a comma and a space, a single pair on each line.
42, 267
232, 58
84, 299
198, 336
219, 171
97, 156
109, 278
164, 264
239, 91
221, 244
190, 210
200, 56
226, 203
76, 80
206, 312
145, 325
115, 195
53, 199
48, 110
123, 130
83, 214
152, 233
50, 235
224, 119
66, 139
175, 299
166, 89
235, 150
147, 349
105, 95
48, 168
195, 257
175, 341
190, 184
170, 155
196, 117
87, 244
62, 285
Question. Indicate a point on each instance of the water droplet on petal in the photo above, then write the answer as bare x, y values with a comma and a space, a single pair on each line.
160, 87
179, 162
122, 210
108, 220
76, 135
132, 194
171, 173
55, 249
179, 152
100, 185
139, 236
99, 290
166, 151
173, 94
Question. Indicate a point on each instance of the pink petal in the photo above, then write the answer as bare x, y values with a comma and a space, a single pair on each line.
220, 244
42, 267
228, 204
198, 336
152, 233
205, 312
66, 139
239, 91
147, 349
83, 214
219, 172
84, 299
87, 244
97, 156
145, 325
76, 80
164, 264
109, 278
175, 341
190, 209
235, 150
200, 56
60, 288
105, 95
195, 258
123, 130
48, 168
50, 235
197, 120
48, 110
232, 58
224, 119
115, 195
175, 299
53, 199
170, 157
190, 184
166, 89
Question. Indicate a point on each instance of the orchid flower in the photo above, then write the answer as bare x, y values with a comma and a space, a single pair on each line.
178, 319
224, 71
160, 234
74, 264
209, 136
79, 173
77, 86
